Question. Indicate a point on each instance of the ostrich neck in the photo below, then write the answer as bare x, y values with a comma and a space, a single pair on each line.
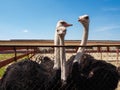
56, 39
61, 38
84, 37
83, 43
56, 52
62, 59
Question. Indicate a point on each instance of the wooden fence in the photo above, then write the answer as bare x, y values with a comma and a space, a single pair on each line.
30, 51
24, 51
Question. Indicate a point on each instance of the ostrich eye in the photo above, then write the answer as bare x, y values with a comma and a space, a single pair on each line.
63, 23
86, 17
57, 30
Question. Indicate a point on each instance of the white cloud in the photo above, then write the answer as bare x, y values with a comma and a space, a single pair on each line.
25, 30
106, 28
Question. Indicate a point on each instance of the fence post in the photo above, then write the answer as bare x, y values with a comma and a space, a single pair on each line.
100, 51
108, 50
77, 48
27, 52
35, 50
15, 54
117, 54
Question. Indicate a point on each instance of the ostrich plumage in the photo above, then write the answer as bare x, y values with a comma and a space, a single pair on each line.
92, 74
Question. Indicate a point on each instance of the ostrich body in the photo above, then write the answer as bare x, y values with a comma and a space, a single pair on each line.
24, 75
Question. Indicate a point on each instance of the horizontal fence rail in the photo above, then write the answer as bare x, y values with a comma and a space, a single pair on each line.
21, 51
104, 52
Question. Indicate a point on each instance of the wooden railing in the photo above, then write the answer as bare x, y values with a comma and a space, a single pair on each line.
27, 50
18, 53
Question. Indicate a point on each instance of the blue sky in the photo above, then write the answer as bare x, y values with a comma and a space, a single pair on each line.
36, 19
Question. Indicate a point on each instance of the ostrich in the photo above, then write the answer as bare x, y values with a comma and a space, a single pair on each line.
74, 80
59, 52
60, 57
88, 73
60, 76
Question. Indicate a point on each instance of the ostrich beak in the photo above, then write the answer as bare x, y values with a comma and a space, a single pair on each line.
67, 25
79, 19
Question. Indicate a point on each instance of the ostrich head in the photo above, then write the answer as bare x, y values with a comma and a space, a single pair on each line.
84, 20
61, 27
